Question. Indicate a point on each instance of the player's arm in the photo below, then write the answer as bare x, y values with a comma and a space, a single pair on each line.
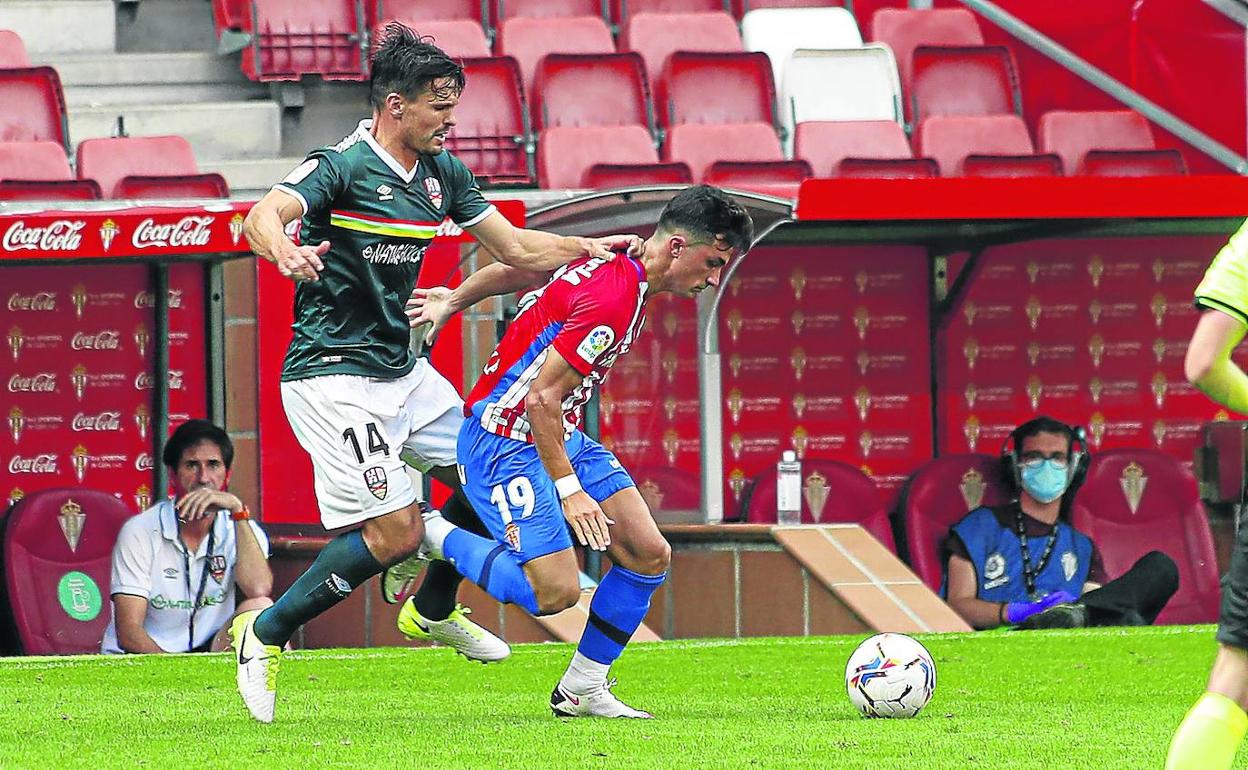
542, 251
435, 306
1208, 363
265, 230
252, 575
128, 613
544, 408
962, 596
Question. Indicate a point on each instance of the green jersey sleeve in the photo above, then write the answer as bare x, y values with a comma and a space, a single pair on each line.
1225, 285
468, 206
318, 181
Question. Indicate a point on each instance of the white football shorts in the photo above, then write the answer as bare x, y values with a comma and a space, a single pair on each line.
362, 432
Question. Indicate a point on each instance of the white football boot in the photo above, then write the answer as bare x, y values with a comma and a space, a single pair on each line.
598, 702
257, 666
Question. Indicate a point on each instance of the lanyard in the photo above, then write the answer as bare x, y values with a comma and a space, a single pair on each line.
203, 581
1029, 574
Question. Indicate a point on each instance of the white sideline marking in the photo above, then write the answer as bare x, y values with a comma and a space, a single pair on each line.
875, 581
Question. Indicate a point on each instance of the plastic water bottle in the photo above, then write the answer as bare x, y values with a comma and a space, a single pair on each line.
789, 489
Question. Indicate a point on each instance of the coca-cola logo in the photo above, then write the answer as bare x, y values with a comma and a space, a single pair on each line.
101, 340
146, 380
60, 235
96, 422
188, 231
44, 463
43, 300
43, 382
144, 462
148, 299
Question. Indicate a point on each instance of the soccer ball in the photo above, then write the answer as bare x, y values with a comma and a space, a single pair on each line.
890, 675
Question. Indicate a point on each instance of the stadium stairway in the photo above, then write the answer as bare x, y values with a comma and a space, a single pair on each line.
151, 66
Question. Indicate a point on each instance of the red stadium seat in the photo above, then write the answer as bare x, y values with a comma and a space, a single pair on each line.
1072, 134
605, 176
591, 90
293, 38
427, 10
58, 546
565, 154
1140, 500
460, 38
950, 139
848, 496
32, 106
172, 186
963, 81
935, 497
1012, 166
905, 30
544, 9
12, 51
1133, 163
67, 190
825, 143
700, 145
108, 160
491, 131
716, 88
773, 177
34, 161
887, 168
230, 14
658, 35
528, 40
622, 11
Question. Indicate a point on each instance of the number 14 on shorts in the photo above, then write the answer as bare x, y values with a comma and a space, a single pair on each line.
376, 442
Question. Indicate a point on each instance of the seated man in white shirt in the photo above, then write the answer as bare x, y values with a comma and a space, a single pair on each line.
178, 565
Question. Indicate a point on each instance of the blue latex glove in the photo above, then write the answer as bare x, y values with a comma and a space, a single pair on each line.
1017, 612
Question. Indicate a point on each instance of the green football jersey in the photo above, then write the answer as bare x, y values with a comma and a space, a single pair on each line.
378, 219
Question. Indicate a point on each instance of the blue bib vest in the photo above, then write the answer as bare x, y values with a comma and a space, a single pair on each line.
998, 560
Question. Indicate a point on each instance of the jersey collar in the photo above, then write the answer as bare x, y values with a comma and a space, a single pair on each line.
366, 134
168, 516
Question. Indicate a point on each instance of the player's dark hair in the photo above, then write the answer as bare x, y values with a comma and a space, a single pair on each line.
1042, 424
405, 63
708, 212
191, 433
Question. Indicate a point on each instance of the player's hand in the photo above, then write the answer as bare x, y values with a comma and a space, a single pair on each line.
429, 306
588, 521
302, 263
609, 246
203, 502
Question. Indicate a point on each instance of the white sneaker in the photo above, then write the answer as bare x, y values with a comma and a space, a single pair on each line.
257, 666
598, 702
397, 579
457, 632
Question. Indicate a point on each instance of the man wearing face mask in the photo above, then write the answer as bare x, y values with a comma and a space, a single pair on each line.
1022, 564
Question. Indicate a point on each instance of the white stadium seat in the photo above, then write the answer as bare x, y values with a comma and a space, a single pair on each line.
848, 84
778, 32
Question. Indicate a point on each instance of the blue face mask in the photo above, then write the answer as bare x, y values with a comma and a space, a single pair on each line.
1045, 480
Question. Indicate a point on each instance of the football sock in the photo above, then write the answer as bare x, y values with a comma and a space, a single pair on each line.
1210, 735
435, 598
490, 565
342, 565
584, 674
617, 609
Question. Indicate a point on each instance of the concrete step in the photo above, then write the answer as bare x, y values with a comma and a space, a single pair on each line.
61, 26
152, 78
252, 177
214, 129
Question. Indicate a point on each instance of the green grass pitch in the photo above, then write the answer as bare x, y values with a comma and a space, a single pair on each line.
1062, 699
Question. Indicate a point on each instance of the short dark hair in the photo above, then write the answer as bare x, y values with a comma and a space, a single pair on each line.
1041, 424
191, 433
709, 212
403, 62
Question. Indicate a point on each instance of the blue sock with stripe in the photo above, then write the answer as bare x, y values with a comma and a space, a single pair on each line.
619, 605
490, 565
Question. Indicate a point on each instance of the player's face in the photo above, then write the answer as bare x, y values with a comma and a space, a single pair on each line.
698, 266
429, 117
201, 466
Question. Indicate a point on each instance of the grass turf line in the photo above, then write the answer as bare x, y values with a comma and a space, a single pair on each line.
1061, 699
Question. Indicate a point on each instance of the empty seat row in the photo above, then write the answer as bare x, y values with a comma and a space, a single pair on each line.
124, 167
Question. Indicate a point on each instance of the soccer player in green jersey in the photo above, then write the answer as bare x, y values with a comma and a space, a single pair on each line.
354, 392
1211, 733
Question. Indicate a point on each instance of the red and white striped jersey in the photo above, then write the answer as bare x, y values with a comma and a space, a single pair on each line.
590, 313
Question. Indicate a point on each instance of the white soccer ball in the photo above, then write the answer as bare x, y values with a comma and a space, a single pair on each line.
890, 675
